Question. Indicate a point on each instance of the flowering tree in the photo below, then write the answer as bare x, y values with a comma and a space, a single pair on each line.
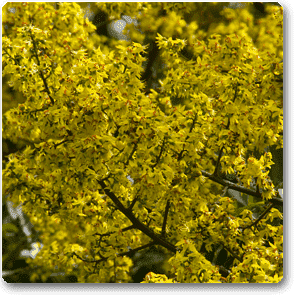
115, 164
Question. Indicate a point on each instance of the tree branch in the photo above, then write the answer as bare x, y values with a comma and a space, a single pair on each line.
260, 218
192, 127
218, 162
132, 152
40, 72
133, 202
136, 223
163, 231
160, 154
132, 251
236, 187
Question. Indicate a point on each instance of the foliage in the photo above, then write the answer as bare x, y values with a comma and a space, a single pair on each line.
112, 168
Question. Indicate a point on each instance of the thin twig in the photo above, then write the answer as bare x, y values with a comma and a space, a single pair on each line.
164, 225
261, 217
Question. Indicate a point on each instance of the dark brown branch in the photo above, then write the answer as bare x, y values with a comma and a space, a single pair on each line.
192, 127
132, 152
136, 223
163, 230
132, 251
110, 233
234, 97
257, 187
133, 202
223, 271
216, 172
232, 253
236, 187
60, 143
160, 154
261, 217
90, 261
153, 52
40, 72
193, 124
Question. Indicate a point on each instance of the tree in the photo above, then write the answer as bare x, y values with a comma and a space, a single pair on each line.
118, 161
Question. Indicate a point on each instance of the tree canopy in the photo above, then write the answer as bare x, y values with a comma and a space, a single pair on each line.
166, 139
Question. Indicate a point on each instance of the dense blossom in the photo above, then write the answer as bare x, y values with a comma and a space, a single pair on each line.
110, 168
